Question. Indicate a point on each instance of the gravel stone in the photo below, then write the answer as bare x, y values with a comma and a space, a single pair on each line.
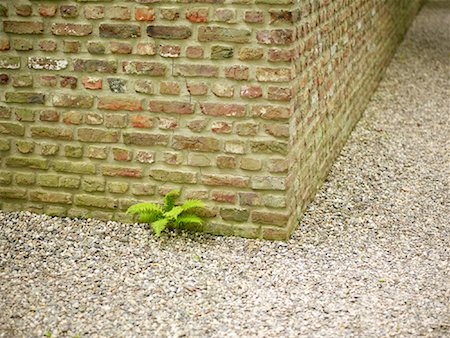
369, 259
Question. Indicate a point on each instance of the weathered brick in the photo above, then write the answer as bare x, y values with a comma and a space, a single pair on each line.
142, 13
97, 135
197, 14
119, 31
225, 15
23, 27
96, 201
251, 91
74, 151
219, 109
141, 121
265, 74
24, 114
69, 182
94, 12
144, 68
144, 156
93, 184
199, 160
275, 165
96, 47
226, 162
277, 130
13, 193
282, 36
25, 147
114, 103
121, 154
26, 162
23, 9
50, 197
117, 85
279, 93
195, 70
269, 147
143, 87
197, 89
223, 196
145, 139
195, 52
169, 88
269, 112
118, 13
248, 163
68, 11
12, 128
9, 62
225, 34
171, 107
225, 180
235, 214
36, 62
68, 82
117, 187
92, 82
169, 32
108, 170
74, 101
237, 72
96, 152
143, 189
49, 115
253, 16
169, 51
234, 147
200, 143
74, 167
25, 178
267, 217
120, 47
93, 65
71, 29
24, 97
173, 176
47, 10
146, 48
5, 177
268, 183
48, 149
21, 44
170, 14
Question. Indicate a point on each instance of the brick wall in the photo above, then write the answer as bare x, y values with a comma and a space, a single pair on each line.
242, 103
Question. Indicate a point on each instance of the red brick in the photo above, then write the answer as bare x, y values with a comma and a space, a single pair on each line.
221, 127
219, 109
237, 72
194, 52
92, 82
47, 10
223, 196
269, 112
144, 14
141, 121
272, 218
225, 180
108, 170
114, 103
251, 92
197, 14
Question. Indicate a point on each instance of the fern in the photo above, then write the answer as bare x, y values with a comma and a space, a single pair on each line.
190, 204
168, 215
189, 219
170, 198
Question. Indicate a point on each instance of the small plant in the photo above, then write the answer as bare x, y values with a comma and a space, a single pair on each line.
168, 215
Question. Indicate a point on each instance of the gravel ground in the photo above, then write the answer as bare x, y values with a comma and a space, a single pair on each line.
370, 258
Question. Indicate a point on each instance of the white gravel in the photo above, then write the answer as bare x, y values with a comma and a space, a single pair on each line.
370, 258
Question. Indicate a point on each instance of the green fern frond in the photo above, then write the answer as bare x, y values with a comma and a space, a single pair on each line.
169, 199
159, 226
188, 219
173, 214
190, 204
149, 217
145, 207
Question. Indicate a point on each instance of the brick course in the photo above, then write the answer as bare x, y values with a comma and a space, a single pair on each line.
244, 104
